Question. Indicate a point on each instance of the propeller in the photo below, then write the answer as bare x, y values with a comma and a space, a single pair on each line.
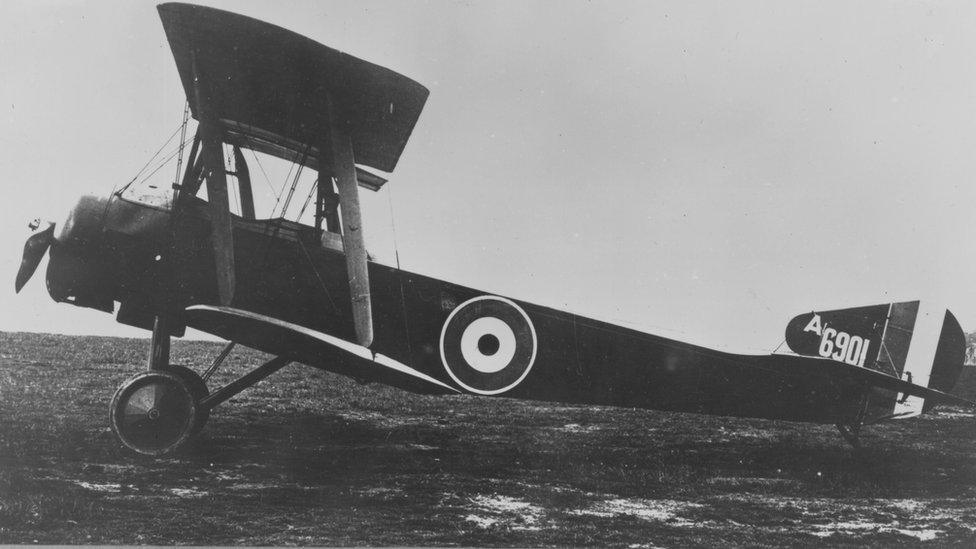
34, 249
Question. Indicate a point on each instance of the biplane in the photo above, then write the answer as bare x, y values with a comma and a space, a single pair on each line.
167, 257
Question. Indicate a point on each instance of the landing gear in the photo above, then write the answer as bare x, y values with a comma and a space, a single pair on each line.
158, 411
198, 387
851, 433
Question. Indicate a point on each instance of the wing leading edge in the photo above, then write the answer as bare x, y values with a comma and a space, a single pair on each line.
266, 87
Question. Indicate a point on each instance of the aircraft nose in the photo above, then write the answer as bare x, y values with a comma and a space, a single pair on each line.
34, 249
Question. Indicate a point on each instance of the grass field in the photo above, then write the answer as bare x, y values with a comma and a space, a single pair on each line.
310, 458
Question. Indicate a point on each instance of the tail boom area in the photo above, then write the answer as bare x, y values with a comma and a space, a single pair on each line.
910, 354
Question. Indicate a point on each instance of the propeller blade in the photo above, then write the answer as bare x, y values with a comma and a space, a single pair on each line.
34, 249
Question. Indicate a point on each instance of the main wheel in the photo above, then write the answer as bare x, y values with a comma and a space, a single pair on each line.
155, 412
199, 389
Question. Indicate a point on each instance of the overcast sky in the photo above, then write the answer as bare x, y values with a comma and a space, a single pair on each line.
703, 171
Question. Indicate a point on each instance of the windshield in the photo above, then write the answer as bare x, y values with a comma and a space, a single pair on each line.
157, 194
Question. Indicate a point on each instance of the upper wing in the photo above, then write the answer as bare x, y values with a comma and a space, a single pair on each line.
265, 86
311, 347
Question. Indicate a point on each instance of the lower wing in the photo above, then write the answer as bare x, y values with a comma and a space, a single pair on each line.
311, 347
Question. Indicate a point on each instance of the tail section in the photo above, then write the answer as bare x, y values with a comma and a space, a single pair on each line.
950, 356
921, 345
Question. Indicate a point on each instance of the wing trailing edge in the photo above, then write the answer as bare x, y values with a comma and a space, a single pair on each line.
265, 87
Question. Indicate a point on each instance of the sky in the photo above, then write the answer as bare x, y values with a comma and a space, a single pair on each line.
699, 170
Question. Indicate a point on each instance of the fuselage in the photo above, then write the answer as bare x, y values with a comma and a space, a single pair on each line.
151, 261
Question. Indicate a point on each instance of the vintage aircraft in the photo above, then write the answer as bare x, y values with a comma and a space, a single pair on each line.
309, 293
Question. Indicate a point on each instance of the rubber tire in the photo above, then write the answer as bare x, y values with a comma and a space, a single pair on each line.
177, 408
200, 391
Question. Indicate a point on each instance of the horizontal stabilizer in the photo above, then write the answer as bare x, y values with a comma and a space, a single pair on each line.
311, 347
882, 381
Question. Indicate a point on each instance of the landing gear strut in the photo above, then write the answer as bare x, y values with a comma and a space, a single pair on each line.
852, 431
158, 411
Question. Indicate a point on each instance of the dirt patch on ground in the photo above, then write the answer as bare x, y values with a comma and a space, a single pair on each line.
314, 459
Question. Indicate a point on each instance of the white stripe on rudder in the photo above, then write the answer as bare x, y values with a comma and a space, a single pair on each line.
921, 354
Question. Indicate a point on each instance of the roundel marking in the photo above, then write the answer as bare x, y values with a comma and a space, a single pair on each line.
488, 345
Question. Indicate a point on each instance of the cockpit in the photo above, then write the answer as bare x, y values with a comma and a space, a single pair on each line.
294, 200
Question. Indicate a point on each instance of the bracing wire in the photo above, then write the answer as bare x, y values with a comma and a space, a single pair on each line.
152, 173
396, 254
308, 199
301, 164
311, 264
148, 162
275, 227
281, 190
294, 184
291, 192
267, 179
179, 158
396, 246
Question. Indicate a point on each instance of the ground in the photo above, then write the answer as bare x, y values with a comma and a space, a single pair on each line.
310, 458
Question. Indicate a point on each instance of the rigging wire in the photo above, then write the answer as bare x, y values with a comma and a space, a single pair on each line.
294, 184
267, 179
318, 277
396, 247
148, 162
152, 173
182, 127
287, 177
275, 226
403, 296
179, 158
308, 199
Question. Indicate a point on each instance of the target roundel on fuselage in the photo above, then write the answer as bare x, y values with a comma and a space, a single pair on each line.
488, 345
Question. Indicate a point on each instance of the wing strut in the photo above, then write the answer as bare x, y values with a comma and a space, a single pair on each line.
339, 143
244, 182
221, 228
221, 233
